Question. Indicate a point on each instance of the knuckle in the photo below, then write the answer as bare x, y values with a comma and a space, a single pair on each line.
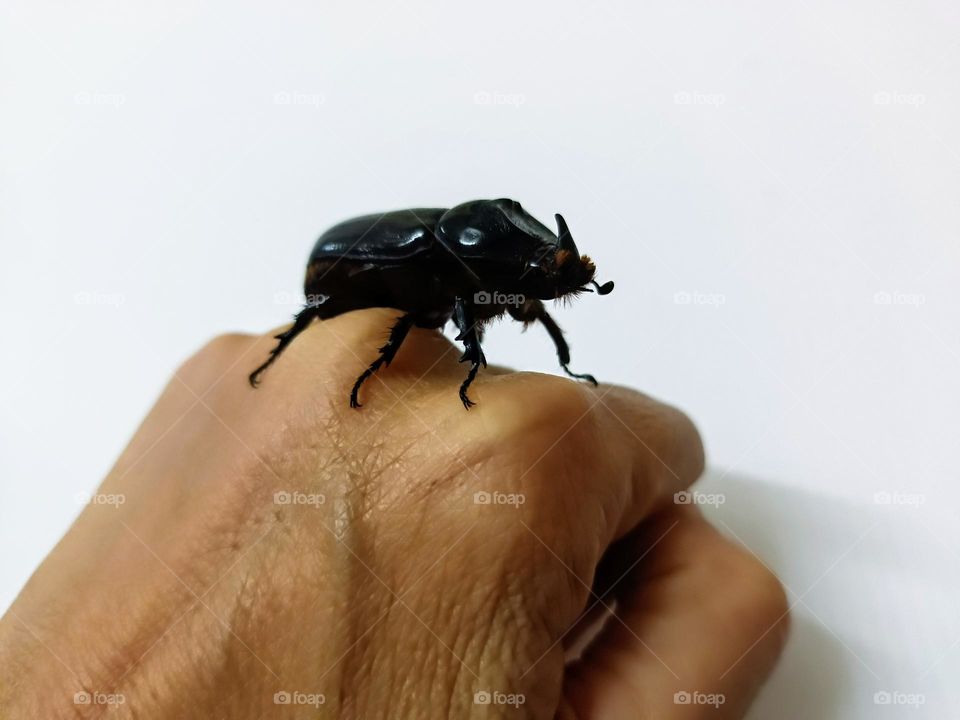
684, 446
664, 436
763, 591
223, 344
547, 422
546, 400
215, 353
756, 596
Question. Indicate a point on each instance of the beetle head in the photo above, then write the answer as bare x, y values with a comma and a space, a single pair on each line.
505, 248
573, 271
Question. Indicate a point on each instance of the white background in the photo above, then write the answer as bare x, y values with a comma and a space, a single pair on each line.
791, 171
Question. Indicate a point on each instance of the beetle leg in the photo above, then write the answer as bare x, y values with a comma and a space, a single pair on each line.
300, 323
397, 334
533, 310
470, 336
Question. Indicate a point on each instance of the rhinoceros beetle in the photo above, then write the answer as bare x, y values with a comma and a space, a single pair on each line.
470, 263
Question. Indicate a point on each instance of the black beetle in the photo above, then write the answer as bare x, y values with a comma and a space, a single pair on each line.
469, 263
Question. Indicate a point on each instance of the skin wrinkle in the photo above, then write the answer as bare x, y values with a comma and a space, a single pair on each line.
349, 490
167, 607
443, 615
133, 688
443, 605
361, 537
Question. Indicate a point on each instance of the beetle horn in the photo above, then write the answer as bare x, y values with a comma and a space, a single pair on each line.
566, 239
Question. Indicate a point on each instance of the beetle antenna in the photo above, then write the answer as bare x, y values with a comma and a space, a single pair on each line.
604, 289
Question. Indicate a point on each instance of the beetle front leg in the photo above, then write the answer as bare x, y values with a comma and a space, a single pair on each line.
533, 310
470, 336
301, 323
389, 351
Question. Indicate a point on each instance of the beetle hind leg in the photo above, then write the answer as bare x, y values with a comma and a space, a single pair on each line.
397, 335
533, 310
300, 323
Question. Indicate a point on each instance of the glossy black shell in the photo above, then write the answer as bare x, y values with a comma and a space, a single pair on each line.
498, 231
393, 235
421, 260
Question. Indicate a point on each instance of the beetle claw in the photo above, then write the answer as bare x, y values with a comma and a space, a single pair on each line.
581, 376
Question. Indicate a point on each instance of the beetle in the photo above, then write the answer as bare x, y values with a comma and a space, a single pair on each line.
470, 264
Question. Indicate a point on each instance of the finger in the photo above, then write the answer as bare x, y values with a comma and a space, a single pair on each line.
351, 341
697, 627
664, 453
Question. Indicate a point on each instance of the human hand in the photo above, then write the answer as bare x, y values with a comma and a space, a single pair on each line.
277, 554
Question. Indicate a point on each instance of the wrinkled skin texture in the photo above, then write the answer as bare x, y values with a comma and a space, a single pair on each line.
395, 594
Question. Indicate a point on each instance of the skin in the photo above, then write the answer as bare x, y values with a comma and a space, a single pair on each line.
383, 586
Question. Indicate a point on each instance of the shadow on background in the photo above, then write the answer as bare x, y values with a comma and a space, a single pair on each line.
852, 571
